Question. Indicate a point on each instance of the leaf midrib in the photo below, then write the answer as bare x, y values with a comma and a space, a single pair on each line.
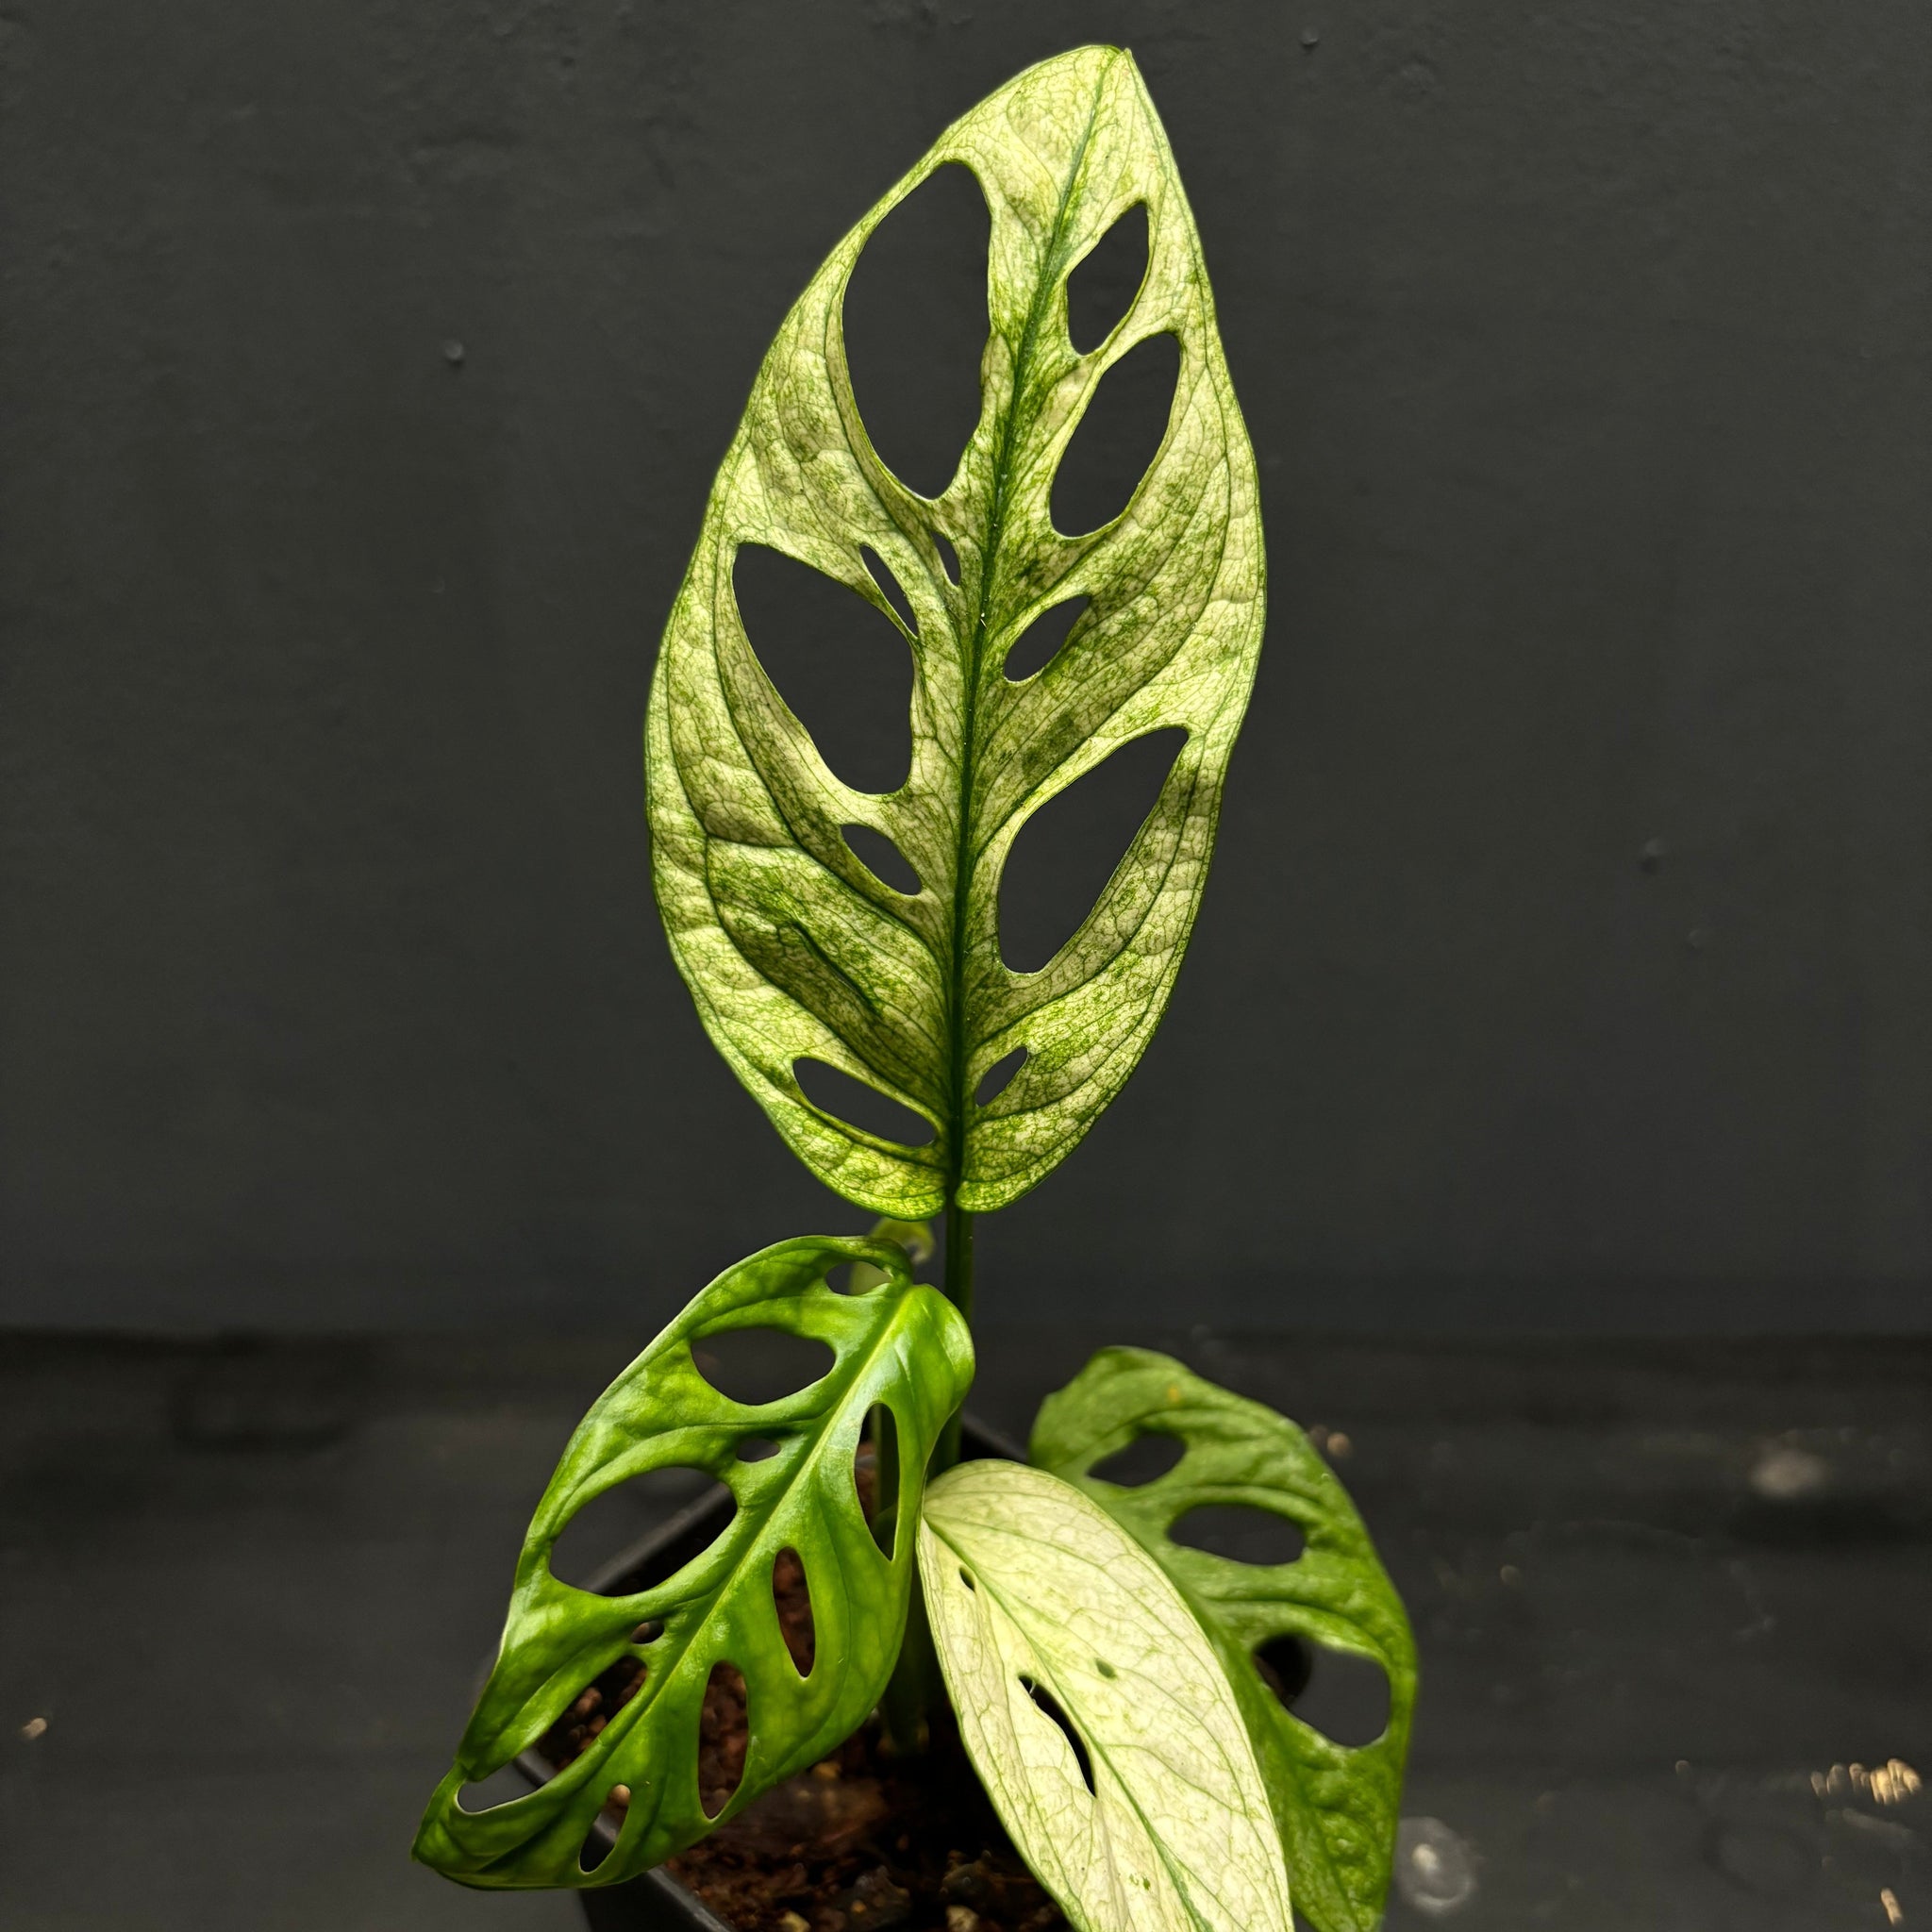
959, 1047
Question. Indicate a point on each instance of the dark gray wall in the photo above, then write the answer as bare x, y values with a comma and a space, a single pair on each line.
1586, 350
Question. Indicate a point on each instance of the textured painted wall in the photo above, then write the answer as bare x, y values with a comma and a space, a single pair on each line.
362, 368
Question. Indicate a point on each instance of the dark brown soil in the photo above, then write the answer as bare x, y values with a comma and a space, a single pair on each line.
863, 1842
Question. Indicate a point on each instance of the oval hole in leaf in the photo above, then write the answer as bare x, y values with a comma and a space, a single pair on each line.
949, 557
865, 1472
835, 1091
1118, 437
1037, 646
890, 587
585, 1716
1286, 1664
999, 1076
836, 660
1240, 1532
861, 1278
618, 1517
878, 1460
1104, 283
1145, 1457
601, 1840
723, 1732
707, 1522
759, 1365
1068, 850
504, 1786
792, 1597
647, 1632
1049, 1707
1344, 1697
757, 1449
915, 329
882, 859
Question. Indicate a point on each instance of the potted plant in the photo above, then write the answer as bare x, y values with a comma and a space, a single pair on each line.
863, 1610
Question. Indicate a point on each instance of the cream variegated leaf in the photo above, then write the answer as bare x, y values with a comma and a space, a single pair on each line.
1030, 1586
793, 948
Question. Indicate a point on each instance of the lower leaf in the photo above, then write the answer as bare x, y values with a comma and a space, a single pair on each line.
1336, 1806
894, 1345
1096, 1714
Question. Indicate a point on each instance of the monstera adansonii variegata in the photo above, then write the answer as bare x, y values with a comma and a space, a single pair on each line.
1197, 1799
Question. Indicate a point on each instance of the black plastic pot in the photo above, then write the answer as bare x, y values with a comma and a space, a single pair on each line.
656, 1902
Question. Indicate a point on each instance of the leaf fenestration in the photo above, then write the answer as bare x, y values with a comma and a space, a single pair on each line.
1336, 1806
793, 948
894, 1345
1147, 1812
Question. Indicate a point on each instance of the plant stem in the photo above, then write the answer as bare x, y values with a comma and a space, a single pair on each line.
916, 1685
957, 1285
957, 1280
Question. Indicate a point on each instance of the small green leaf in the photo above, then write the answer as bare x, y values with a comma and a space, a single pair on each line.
896, 1345
792, 947
1032, 1590
1335, 1808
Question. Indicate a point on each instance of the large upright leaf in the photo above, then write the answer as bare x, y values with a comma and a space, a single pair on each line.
1031, 1590
793, 948
898, 1345
1336, 1806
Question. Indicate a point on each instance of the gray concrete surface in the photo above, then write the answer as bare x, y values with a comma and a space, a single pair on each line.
1661, 1590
